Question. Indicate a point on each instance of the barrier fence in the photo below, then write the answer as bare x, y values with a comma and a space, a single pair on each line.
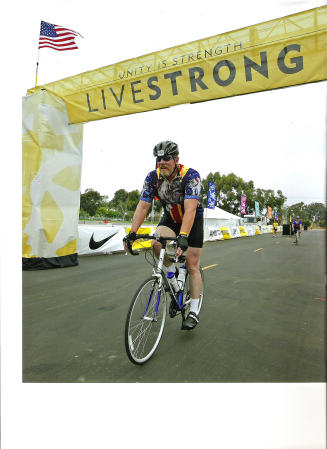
106, 239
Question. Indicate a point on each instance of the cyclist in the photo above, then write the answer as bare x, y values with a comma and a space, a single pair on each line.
297, 226
275, 229
178, 189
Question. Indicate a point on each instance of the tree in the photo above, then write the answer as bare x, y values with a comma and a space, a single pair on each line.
119, 202
316, 211
298, 209
120, 196
133, 200
102, 211
91, 201
267, 198
230, 189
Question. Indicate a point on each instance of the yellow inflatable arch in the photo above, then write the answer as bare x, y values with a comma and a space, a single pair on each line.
279, 53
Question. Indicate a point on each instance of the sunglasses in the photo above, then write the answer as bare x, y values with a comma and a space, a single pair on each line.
164, 158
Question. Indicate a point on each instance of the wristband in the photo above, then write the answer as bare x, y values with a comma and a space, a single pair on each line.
183, 233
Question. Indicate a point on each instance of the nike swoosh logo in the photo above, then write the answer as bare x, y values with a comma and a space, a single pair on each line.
95, 245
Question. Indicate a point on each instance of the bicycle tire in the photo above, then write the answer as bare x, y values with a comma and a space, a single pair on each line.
144, 328
187, 295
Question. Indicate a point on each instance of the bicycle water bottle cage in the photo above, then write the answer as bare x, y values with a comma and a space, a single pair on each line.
180, 259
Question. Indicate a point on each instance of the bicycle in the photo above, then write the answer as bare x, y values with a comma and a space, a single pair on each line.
296, 237
147, 312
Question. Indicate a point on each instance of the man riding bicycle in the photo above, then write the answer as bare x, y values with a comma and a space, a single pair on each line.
178, 189
297, 226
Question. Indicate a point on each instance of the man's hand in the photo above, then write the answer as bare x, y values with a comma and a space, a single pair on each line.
131, 237
182, 244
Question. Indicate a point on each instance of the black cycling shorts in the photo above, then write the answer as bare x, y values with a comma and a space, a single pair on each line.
196, 237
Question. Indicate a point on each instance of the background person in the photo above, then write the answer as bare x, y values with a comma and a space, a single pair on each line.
275, 229
297, 226
178, 189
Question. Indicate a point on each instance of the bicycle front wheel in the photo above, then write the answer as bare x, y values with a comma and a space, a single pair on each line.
145, 321
187, 295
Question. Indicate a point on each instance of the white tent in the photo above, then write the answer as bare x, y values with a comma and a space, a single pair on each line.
220, 218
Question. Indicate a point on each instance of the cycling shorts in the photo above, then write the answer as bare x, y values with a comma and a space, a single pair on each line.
196, 236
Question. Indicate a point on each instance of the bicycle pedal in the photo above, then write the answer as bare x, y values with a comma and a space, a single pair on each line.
172, 309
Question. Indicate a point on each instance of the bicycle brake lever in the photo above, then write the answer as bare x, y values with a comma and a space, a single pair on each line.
130, 244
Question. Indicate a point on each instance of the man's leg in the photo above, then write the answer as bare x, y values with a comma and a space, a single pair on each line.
193, 266
165, 232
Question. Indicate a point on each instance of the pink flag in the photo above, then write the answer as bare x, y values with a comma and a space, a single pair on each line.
243, 203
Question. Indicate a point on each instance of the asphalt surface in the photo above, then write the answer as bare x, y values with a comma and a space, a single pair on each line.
262, 319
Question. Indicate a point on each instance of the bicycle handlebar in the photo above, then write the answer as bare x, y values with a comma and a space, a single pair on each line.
158, 237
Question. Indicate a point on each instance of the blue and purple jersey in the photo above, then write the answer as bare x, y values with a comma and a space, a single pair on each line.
186, 185
297, 223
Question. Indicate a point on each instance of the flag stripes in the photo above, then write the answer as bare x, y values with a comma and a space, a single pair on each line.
57, 37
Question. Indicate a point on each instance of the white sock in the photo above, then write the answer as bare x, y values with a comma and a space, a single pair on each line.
194, 305
171, 268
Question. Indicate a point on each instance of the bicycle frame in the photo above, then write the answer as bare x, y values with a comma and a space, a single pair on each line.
158, 274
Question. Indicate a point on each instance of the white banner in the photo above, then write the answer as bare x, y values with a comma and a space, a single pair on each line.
235, 232
94, 239
214, 233
250, 230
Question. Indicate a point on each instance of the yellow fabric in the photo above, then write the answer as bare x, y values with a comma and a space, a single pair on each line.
226, 233
51, 174
243, 231
141, 243
278, 53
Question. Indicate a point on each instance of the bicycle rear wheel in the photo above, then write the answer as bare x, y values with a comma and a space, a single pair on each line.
187, 295
145, 321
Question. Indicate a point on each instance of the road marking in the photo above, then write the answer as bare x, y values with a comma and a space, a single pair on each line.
257, 250
321, 299
210, 266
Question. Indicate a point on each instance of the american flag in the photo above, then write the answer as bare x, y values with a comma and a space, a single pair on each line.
57, 37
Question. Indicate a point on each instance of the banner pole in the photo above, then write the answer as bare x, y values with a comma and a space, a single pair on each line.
205, 218
37, 66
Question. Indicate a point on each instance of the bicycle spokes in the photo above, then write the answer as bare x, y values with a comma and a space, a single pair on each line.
145, 321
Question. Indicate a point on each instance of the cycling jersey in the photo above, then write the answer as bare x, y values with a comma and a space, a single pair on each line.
186, 185
297, 224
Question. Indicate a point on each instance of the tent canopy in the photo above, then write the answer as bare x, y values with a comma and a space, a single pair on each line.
220, 214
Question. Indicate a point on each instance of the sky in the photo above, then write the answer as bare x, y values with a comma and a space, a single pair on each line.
276, 139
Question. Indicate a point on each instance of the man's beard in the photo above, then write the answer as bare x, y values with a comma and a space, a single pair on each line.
166, 173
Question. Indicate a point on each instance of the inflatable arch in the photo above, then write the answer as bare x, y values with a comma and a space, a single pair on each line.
279, 53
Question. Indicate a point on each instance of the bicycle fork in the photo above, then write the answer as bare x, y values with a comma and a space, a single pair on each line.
158, 275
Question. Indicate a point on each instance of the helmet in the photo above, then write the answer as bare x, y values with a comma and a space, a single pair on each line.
166, 147
297, 216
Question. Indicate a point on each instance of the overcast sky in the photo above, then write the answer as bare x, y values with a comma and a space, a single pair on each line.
276, 139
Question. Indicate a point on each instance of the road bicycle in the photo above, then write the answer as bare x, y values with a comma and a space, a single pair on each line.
297, 236
147, 312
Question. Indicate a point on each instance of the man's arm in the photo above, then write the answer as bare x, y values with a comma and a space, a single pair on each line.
190, 206
140, 214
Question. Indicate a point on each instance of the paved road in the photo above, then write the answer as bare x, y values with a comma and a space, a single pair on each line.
262, 319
